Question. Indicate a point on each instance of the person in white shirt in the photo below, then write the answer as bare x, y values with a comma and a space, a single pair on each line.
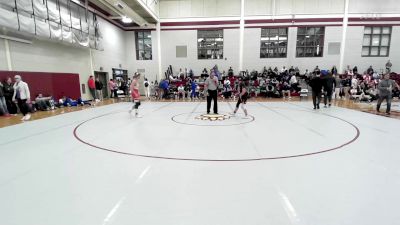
22, 96
181, 91
350, 72
354, 82
293, 80
146, 88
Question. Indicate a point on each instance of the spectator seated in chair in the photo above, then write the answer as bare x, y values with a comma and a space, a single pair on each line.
43, 103
181, 92
285, 87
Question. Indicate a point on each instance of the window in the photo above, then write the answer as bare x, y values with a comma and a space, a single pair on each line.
310, 41
143, 45
210, 44
274, 43
376, 41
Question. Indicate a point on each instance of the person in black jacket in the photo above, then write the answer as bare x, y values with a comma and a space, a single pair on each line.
328, 82
316, 86
99, 89
334, 70
8, 88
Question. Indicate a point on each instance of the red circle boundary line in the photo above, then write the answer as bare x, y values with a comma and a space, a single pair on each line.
218, 160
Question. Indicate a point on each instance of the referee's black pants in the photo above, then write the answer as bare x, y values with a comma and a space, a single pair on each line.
212, 95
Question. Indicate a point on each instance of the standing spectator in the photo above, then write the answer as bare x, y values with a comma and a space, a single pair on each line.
316, 86
8, 95
230, 72
294, 83
227, 89
147, 87
328, 83
193, 86
334, 70
152, 90
385, 88
211, 85
164, 85
113, 88
22, 96
317, 70
338, 86
3, 104
92, 87
370, 70
355, 70
388, 66
99, 89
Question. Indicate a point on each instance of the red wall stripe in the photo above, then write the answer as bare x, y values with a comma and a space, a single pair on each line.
313, 20
201, 28
54, 84
379, 19
200, 23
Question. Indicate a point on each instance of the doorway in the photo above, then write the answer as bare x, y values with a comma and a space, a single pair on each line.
103, 79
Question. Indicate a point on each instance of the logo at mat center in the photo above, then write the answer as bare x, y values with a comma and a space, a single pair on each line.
213, 117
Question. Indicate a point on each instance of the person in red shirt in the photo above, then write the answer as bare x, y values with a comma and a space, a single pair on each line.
135, 95
92, 87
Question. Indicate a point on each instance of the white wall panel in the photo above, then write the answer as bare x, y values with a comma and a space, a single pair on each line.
284, 7
185, 8
3, 59
171, 39
264, 7
383, 6
258, 7
210, 8
199, 8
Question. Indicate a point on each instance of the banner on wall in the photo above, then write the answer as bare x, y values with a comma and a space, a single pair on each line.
26, 24
55, 31
8, 19
40, 9
66, 34
54, 13
65, 19
25, 5
8, 3
42, 28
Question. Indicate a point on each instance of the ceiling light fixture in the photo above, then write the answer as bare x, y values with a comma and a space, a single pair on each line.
126, 19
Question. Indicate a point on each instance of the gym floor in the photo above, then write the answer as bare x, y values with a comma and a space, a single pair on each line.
364, 107
284, 164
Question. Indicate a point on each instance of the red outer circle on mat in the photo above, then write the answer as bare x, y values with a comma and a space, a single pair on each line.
218, 160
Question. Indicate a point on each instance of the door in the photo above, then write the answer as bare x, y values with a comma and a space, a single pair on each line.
103, 79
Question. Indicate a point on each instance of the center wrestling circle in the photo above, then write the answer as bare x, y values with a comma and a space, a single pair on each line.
202, 119
142, 148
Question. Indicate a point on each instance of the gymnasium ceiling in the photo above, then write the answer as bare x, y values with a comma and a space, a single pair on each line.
112, 12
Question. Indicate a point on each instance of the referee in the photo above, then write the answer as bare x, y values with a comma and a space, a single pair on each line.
211, 86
